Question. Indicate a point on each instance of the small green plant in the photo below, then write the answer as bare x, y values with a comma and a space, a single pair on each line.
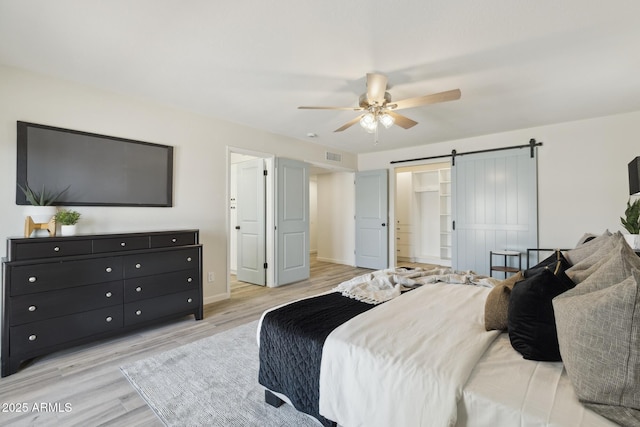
631, 221
42, 198
67, 217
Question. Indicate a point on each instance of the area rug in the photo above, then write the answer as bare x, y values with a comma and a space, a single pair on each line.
210, 382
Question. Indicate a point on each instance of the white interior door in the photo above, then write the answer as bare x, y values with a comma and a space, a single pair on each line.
292, 221
371, 219
250, 203
494, 206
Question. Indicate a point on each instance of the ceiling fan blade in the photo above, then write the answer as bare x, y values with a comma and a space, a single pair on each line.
376, 87
349, 124
450, 95
402, 121
331, 108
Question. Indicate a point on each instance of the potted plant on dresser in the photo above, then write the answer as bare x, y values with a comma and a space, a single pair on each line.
40, 211
631, 222
67, 220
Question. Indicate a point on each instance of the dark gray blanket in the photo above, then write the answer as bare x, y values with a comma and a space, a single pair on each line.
291, 341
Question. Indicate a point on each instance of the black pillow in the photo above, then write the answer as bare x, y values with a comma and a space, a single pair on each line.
552, 262
530, 319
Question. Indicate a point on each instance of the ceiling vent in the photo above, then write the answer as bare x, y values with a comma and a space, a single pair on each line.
334, 157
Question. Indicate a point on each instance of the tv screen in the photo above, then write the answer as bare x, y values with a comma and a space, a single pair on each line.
98, 170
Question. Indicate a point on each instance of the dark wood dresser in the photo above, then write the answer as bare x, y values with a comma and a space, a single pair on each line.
58, 292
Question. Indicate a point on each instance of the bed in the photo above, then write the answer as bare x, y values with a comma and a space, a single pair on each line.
410, 347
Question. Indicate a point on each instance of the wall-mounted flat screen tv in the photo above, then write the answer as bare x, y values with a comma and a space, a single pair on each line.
99, 170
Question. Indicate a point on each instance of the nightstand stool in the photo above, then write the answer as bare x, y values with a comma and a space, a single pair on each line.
505, 268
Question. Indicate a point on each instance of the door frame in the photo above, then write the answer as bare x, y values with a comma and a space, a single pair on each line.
269, 220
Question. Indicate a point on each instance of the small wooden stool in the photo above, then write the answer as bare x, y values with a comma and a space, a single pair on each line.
30, 226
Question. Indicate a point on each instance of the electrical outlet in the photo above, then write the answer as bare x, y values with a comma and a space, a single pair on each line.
211, 277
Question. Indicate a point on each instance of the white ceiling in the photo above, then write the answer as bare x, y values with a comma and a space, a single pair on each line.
518, 63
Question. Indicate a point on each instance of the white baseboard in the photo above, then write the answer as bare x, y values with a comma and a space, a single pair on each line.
216, 298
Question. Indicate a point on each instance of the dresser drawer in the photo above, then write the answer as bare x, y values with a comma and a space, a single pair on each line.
162, 306
120, 244
173, 239
26, 279
50, 249
152, 286
32, 337
44, 305
152, 263
404, 228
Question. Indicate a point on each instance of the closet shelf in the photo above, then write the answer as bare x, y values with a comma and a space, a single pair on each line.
424, 189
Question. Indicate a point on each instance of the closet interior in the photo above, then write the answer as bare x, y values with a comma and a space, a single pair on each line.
423, 213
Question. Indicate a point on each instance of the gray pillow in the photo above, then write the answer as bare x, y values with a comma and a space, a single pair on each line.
599, 338
583, 269
581, 252
612, 270
585, 238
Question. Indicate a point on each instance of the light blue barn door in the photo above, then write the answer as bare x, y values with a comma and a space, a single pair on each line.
292, 221
494, 204
251, 247
371, 219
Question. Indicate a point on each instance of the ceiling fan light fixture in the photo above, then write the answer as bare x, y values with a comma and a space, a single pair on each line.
386, 120
376, 105
369, 122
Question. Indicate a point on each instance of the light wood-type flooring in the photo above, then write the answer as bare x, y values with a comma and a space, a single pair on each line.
83, 386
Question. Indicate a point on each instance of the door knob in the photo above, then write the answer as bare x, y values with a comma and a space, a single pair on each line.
384, 224
237, 227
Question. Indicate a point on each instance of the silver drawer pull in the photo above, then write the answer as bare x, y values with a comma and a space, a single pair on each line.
32, 279
190, 300
108, 294
32, 308
32, 337
108, 270
138, 265
123, 244
138, 312
138, 289
56, 249
188, 259
109, 319
189, 279
174, 240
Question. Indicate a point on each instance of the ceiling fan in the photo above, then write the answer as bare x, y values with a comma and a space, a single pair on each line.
378, 107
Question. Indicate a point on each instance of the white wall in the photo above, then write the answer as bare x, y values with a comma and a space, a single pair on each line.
200, 159
582, 172
336, 224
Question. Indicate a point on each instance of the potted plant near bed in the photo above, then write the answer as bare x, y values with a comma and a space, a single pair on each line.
67, 220
631, 222
41, 208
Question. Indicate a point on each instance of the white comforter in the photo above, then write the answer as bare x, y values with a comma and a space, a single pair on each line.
405, 362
